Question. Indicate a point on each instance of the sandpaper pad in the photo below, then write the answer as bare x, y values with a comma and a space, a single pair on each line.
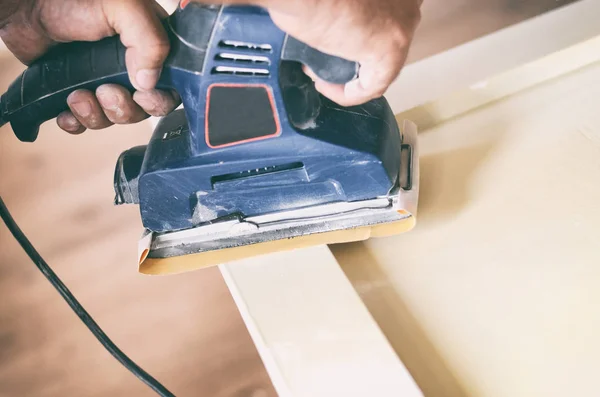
188, 263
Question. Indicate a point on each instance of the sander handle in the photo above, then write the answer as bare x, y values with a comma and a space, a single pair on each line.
40, 93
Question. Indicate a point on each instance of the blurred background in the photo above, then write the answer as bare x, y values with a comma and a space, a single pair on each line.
185, 330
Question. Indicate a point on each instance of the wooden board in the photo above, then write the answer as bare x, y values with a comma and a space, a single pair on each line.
437, 361
477, 60
447, 24
314, 334
495, 293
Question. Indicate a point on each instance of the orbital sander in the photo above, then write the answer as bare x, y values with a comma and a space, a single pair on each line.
256, 160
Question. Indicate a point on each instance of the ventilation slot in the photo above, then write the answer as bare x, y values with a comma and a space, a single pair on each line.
241, 71
256, 172
241, 45
240, 58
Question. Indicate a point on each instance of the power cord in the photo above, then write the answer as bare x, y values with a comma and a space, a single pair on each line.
77, 307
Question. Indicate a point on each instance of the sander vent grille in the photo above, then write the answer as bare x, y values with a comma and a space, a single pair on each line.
243, 59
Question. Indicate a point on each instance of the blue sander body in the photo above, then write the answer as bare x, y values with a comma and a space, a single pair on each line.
255, 156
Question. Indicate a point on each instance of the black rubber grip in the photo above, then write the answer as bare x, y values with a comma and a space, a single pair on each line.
327, 67
40, 94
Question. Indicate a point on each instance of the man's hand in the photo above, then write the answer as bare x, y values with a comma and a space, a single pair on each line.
36, 25
375, 33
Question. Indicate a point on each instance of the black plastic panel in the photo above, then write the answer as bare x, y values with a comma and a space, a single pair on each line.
238, 114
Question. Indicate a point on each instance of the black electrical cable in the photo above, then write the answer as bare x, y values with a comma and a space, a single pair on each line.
76, 306
3, 118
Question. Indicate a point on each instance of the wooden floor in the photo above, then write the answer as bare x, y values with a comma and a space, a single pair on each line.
185, 330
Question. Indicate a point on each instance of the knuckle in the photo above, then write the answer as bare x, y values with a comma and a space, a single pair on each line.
401, 36
378, 92
404, 26
156, 51
415, 14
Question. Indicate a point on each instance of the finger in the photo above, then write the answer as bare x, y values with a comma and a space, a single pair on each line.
118, 105
157, 103
69, 123
375, 77
87, 110
309, 72
143, 35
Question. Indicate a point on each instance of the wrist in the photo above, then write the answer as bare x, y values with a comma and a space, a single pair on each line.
20, 29
10, 9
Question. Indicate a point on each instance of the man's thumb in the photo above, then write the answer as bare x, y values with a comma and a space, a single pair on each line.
141, 31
